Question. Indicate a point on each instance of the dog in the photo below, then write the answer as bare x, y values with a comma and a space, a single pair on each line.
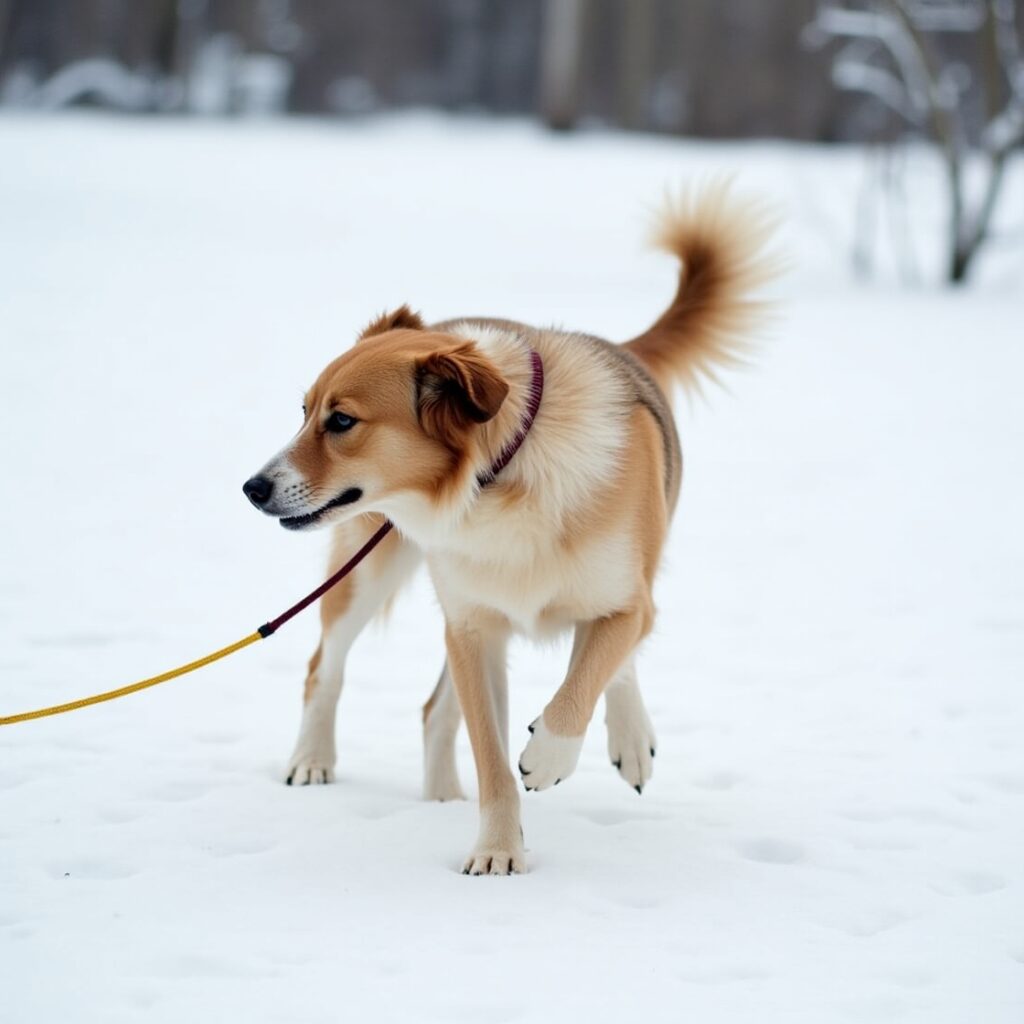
412, 425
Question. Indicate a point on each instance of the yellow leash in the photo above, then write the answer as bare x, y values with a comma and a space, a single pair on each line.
267, 629
142, 684
271, 627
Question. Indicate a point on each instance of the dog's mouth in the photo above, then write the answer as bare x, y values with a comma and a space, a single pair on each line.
353, 494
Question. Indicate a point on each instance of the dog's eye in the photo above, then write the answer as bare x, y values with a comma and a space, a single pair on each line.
338, 423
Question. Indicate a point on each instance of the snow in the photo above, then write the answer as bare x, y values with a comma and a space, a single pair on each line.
835, 827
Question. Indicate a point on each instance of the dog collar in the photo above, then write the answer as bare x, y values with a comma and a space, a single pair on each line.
532, 405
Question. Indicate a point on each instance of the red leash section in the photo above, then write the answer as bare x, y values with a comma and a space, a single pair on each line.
271, 627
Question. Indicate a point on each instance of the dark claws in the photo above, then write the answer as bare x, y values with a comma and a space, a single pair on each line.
652, 751
288, 781
557, 781
617, 764
522, 770
639, 789
530, 728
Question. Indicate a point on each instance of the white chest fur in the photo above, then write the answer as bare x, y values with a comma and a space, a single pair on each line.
515, 557
515, 568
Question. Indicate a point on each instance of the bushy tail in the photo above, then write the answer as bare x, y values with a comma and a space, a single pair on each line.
720, 242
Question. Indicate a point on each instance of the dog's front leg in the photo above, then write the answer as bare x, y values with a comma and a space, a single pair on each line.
601, 646
344, 611
476, 659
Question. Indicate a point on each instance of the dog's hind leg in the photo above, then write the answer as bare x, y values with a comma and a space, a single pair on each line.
344, 611
441, 719
631, 742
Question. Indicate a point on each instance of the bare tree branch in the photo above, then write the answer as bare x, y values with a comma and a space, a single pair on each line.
930, 93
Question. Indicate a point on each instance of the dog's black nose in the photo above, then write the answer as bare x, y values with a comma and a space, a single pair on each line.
258, 490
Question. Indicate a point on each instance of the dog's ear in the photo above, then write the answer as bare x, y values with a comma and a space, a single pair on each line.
401, 317
457, 387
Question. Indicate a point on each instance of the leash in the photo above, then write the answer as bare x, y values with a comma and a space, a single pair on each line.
268, 629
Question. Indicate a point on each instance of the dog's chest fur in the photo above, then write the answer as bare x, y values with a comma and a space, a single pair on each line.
529, 547
539, 586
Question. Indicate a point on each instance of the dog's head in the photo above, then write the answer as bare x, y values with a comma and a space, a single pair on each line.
395, 416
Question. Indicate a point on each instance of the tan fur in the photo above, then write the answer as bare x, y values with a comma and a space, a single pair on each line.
311, 676
401, 317
456, 388
422, 391
569, 536
720, 244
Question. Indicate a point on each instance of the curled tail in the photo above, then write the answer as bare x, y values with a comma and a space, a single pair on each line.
720, 243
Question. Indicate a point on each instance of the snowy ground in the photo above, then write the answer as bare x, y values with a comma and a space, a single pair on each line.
835, 829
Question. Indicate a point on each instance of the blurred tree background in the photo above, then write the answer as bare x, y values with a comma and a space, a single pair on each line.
713, 68
882, 72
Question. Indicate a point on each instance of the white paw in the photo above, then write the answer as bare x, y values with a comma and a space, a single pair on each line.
548, 759
495, 861
631, 743
309, 772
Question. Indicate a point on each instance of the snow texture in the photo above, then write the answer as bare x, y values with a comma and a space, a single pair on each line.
834, 830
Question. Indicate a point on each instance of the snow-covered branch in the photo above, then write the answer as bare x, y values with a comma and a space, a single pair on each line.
890, 50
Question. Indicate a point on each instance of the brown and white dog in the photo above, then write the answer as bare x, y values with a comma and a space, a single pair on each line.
568, 536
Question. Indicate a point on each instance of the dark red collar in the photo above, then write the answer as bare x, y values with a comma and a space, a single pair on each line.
532, 405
